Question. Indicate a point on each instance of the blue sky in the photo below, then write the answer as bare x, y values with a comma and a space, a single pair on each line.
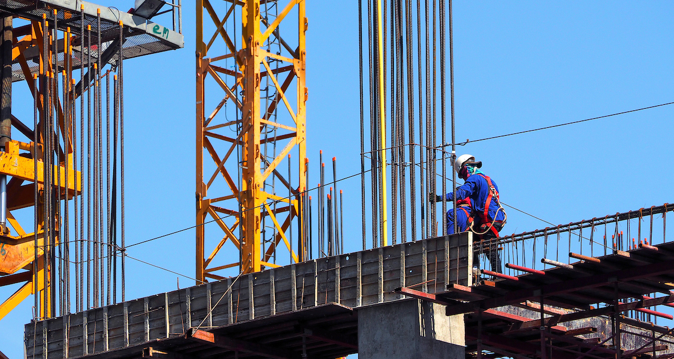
518, 65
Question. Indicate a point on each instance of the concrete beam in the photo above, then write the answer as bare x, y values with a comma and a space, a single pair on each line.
409, 329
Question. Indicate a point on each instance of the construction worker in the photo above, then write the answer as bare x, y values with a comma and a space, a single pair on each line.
489, 217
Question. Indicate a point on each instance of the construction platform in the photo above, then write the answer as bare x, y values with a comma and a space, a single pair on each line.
141, 36
586, 296
313, 302
316, 304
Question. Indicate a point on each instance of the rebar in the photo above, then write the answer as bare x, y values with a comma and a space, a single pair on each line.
336, 221
121, 139
88, 185
36, 198
109, 248
362, 123
453, 118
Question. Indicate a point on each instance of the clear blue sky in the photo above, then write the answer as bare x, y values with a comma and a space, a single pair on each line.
519, 65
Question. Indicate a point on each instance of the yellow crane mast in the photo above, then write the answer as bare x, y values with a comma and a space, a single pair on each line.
241, 212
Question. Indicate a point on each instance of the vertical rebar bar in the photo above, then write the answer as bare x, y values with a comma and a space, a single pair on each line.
421, 131
89, 242
81, 243
76, 185
66, 146
57, 144
290, 215
320, 209
336, 219
331, 244
362, 121
443, 121
66, 152
36, 136
305, 193
341, 223
102, 196
373, 137
113, 210
94, 173
121, 140
107, 182
410, 126
453, 119
311, 231
48, 174
424, 200
395, 111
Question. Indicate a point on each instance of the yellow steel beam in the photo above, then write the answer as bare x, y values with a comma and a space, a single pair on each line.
224, 227
15, 224
221, 29
281, 58
279, 158
224, 86
281, 232
219, 26
278, 20
22, 293
15, 165
280, 91
224, 159
214, 269
251, 203
19, 296
202, 206
302, 96
277, 198
276, 124
229, 234
225, 173
278, 238
17, 253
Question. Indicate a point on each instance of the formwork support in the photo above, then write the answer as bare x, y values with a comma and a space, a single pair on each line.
241, 211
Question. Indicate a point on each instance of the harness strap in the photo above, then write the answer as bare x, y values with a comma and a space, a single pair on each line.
469, 218
492, 193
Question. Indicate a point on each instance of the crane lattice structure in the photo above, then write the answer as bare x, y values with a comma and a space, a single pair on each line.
247, 210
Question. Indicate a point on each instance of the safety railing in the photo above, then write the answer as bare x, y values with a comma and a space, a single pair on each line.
564, 244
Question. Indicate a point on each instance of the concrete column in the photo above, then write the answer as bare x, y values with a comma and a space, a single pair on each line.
409, 329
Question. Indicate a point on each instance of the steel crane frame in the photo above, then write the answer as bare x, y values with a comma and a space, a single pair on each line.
248, 203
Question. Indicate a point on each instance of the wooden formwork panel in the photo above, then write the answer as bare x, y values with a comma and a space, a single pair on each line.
354, 280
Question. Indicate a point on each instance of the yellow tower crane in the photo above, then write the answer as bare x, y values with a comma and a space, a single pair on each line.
248, 208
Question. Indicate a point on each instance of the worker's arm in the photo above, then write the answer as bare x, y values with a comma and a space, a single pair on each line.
464, 191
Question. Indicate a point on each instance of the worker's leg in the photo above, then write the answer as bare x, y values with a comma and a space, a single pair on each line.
493, 243
450, 221
461, 218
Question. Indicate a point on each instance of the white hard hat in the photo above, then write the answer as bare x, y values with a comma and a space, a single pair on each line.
461, 160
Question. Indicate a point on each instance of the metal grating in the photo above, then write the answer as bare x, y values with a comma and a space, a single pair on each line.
142, 37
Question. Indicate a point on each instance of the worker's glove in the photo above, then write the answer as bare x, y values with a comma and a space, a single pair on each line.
434, 198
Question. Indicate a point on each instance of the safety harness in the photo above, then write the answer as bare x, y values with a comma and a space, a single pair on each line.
484, 216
